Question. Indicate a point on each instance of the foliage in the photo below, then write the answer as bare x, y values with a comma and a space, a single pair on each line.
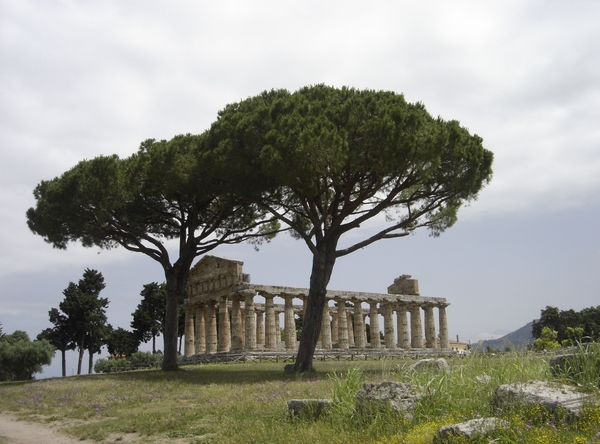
149, 316
21, 358
324, 161
570, 325
137, 360
160, 193
121, 342
547, 340
583, 367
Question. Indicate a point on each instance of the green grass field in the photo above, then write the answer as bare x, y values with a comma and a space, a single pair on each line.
247, 403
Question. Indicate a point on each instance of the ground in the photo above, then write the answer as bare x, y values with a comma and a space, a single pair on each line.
13, 431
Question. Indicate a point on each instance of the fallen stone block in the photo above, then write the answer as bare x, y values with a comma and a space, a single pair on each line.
308, 408
480, 426
395, 396
551, 396
431, 365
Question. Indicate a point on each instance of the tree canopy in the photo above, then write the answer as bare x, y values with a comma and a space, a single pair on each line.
149, 316
160, 193
21, 358
324, 161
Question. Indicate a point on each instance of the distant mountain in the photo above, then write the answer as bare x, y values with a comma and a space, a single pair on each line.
518, 339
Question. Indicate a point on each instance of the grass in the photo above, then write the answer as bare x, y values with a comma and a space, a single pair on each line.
247, 403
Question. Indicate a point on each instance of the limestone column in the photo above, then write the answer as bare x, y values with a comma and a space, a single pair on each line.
350, 329
429, 325
443, 320
289, 323
250, 322
200, 344
326, 328
211, 328
277, 329
335, 332
416, 328
364, 316
189, 332
342, 326
374, 320
402, 326
237, 334
359, 326
224, 326
260, 327
270, 326
388, 326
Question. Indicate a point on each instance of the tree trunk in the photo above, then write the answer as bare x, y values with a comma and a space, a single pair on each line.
63, 352
176, 286
153, 344
322, 268
90, 362
81, 350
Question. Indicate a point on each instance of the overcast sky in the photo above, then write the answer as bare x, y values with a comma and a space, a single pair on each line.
81, 79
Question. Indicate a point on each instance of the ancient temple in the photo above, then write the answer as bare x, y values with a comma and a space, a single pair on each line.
218, 285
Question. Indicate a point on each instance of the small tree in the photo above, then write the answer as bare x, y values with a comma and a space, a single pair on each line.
21, 358
547, 340
326, 161
122, 343
60, 336
149, 316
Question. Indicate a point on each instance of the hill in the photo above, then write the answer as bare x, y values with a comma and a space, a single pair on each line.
518, 339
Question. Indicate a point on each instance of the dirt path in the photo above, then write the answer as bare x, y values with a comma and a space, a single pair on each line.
13, 431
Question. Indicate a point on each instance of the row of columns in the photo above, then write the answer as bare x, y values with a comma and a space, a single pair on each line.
249, 329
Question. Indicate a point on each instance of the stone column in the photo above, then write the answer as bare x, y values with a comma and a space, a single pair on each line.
429, 325
350, 329
374, 320
260, 327
189, 332
364, 316
443, 326
289, 324
250, 322
402, 326
270, 326
416, 328
200, 344
326, 328
342, 326
211, 328
335, 332
359, 326
237, 334
388, 325
277, 329
224, 326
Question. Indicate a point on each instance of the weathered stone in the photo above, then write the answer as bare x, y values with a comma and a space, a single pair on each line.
308, 408
560, 363
431, 365
396, 396
551, 396
469, 429
289, 368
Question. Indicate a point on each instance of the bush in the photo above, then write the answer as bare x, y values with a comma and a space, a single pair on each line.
21, 358
136, 361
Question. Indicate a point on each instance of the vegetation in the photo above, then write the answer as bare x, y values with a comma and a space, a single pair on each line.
160, 193
245, 403
21, 358
135, 361
570, 326
325, 161
149, 316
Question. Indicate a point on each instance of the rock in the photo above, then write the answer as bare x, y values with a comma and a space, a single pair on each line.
559, 364
551, 396
431, 365
308, 408
289, 368
481, 426
485, 379
400, 398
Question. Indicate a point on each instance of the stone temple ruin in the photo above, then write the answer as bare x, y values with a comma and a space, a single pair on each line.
244, 325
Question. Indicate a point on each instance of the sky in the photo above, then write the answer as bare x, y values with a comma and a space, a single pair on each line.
83, 79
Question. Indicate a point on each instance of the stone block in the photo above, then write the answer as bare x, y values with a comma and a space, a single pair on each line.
395, 396
431, 365
469, 429
308, 408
